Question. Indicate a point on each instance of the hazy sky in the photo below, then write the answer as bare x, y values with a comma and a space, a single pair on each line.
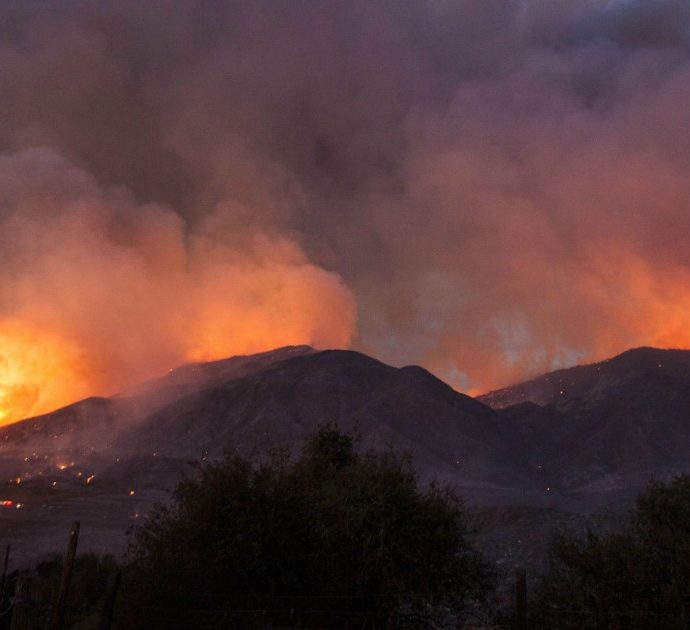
488, 188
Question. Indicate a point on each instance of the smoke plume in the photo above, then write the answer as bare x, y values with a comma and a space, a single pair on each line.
500, 187
99, 292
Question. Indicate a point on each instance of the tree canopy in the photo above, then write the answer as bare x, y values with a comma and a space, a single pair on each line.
333, 539
637, 577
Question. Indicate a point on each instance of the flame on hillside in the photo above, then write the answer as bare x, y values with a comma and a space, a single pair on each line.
38, 372
99, 293
612, 300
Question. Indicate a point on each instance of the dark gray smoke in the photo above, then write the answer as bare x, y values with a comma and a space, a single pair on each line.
502, 185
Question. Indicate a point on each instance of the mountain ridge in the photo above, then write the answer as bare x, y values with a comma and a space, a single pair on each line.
549, 387
588, 449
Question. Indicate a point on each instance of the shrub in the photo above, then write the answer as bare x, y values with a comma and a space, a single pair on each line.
333, 539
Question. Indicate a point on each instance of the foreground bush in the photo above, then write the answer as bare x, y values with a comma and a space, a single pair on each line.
638, 577
334, 539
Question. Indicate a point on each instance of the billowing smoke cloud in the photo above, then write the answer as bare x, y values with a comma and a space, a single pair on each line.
502, 186
99, 292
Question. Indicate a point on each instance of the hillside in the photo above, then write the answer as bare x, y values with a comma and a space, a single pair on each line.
599, 432
587, 382
556, 450
105, 461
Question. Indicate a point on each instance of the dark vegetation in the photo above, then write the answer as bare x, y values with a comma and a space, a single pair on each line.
31, 608
341, 539
333, 539
638, 577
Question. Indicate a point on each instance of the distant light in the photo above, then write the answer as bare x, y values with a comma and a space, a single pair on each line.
131, 493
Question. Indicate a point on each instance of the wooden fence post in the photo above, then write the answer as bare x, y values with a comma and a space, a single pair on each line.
109, 605
26, 609
4, 571
18, 621
57, 617
520, 599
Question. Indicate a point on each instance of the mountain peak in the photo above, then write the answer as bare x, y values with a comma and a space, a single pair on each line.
192, 376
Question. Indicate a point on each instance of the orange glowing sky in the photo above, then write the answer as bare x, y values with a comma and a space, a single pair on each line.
37, 372
490, 190
108, 293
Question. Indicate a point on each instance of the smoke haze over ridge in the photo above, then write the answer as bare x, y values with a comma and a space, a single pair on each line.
496, 188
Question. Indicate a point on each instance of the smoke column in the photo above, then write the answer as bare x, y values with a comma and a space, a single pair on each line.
499, 188
100, 292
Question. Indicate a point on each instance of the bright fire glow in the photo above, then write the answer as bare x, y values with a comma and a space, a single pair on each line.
38, 372
99, 293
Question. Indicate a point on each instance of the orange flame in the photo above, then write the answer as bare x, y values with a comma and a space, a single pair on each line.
99, 293
38, 372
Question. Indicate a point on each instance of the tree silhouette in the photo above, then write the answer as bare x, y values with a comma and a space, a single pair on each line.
637, 577
333, 539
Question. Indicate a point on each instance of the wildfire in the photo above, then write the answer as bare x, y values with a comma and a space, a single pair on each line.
38, 372
99, 293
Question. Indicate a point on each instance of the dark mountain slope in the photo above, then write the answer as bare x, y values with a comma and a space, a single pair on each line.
603, 430
89, 427
449, 435
271, 400
638, 430
196, 376
535, 431
588, 382
577, 441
